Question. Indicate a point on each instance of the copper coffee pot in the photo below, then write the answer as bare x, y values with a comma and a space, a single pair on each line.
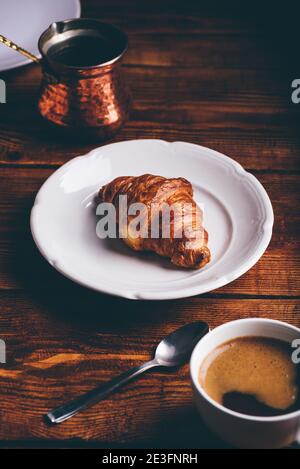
83, 89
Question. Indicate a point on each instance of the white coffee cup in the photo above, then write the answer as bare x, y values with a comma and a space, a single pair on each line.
241, 430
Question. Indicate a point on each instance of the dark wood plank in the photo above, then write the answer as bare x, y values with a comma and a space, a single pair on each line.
199, 18
245, 114
249, 34
218, 52
158, 17
23, 267
59, 346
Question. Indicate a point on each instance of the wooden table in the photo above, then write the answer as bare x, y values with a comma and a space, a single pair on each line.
214, 77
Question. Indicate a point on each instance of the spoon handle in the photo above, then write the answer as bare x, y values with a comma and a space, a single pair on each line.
64, 412
12, 45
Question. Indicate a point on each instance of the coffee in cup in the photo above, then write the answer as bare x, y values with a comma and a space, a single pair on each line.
252, 375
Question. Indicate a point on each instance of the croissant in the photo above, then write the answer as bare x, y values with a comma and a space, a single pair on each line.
186, 240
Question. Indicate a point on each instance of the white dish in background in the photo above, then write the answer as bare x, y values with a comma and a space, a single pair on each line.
237, 215
23, 21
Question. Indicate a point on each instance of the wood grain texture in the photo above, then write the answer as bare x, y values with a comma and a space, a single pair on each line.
59, 346
245, 114
212, 73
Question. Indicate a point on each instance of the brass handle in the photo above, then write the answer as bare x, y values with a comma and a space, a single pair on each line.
12, 45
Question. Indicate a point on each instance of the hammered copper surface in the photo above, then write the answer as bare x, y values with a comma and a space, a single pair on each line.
95, 101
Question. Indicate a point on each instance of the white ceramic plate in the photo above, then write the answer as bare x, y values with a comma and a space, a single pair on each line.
237, 215
23, 21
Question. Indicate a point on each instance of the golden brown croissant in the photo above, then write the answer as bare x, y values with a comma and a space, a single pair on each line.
184, 241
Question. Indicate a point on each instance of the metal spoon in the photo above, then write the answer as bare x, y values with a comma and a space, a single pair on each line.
171, 352
14, 46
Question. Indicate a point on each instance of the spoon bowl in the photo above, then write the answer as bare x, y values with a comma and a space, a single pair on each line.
176, 348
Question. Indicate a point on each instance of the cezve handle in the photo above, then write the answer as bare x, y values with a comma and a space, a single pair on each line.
12, 45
